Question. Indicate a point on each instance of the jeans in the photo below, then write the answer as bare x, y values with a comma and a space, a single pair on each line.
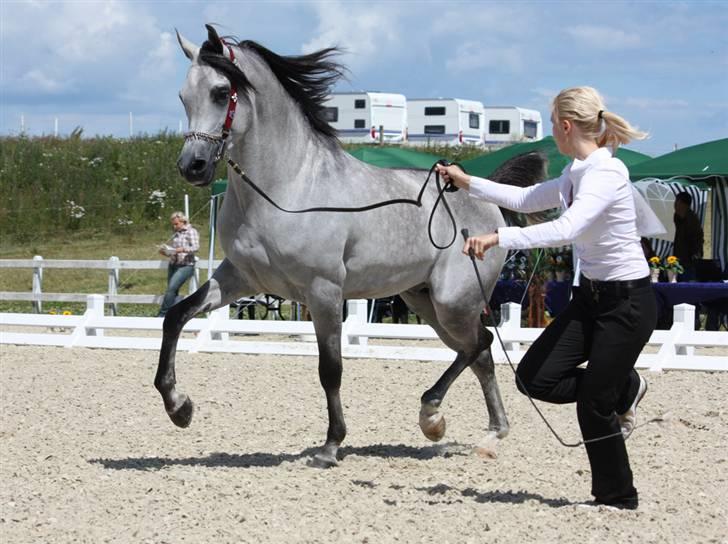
609, 332
177, 275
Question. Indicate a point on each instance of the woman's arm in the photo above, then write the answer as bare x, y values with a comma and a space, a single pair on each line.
536, 198
593, 198
542, 196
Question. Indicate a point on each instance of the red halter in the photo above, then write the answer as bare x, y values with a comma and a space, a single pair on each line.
233, 102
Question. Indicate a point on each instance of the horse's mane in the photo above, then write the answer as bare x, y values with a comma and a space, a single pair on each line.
307, 78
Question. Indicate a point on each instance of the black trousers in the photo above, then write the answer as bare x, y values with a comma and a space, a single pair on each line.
608, 329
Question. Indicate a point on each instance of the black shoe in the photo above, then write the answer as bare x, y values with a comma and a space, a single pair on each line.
623, 503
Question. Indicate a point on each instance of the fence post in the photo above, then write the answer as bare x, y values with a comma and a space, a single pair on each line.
219, 316
94, 309
356, 311
37, 283
113, 282
684, 314
194, 279
510, 320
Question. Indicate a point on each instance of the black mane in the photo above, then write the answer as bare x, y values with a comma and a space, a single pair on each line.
308, 79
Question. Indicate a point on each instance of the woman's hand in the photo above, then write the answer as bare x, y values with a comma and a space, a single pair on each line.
480, 244
454, 174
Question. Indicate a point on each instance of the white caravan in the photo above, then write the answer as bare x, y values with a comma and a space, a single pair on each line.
358, 117
511, 124
444, 121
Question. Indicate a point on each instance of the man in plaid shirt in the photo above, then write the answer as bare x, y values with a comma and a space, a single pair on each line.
185, 242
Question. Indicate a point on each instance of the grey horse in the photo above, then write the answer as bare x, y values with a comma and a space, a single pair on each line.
266, 112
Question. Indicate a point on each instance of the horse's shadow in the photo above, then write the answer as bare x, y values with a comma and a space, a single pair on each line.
265, 459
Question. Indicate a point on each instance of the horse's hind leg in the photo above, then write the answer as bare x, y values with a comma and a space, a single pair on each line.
225, 286
484, 369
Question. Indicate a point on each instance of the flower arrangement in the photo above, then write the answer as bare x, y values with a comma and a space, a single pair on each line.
672, 264
655, 263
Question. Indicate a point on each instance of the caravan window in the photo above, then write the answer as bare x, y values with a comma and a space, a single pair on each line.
530, 129
435, 110
360, 104
499, 127
360, 123
474, 120
331, 114
434, 129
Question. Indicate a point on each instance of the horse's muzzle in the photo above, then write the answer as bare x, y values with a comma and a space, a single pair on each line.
197, 167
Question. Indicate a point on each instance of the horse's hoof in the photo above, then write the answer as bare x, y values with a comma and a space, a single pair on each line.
433, 426
182, 416
486, 448
322, 460
484, 452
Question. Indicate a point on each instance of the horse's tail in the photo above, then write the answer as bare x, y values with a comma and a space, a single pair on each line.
522, 171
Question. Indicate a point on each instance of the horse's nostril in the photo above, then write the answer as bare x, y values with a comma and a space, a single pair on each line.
198, 165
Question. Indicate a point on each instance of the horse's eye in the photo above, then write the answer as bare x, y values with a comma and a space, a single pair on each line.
220, 94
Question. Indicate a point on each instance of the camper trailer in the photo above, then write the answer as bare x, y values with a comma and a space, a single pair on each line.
444, 121
359, 117
510, 124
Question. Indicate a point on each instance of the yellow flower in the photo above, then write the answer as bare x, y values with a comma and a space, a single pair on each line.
672, 259
66, 312
655, 260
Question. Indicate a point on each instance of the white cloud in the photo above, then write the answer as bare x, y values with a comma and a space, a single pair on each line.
364, 33
604, 37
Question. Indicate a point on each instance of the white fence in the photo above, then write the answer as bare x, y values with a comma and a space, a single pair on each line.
114, 266
219, 333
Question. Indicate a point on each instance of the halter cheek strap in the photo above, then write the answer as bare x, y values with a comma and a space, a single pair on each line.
229, 117
232, 102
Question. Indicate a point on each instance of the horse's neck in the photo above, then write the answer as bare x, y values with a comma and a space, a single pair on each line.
280, 146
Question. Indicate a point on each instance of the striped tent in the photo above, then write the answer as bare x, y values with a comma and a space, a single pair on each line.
700, 194
696, 169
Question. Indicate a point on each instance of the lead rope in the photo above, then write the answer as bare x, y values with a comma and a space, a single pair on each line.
448, 187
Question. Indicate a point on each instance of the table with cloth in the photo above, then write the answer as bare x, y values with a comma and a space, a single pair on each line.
714, 295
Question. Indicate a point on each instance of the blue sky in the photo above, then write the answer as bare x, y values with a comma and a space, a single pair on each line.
663, 65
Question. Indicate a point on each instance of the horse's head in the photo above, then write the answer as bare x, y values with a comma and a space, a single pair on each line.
210, 97
219, 97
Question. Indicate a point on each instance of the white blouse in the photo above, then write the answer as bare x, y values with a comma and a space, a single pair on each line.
599, 216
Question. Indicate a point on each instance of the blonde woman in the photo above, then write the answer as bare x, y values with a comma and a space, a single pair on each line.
613, 311
184, 244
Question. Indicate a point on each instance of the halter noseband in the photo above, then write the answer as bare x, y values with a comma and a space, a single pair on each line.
229, 116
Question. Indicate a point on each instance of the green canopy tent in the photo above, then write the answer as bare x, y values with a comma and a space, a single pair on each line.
692, 169
395, 157
486, 164
708, 160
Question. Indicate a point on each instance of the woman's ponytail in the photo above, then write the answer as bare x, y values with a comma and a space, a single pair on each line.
585, 107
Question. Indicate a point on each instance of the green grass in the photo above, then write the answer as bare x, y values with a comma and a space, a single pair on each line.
77, 198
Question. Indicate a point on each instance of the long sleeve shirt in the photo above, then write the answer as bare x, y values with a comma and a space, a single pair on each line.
188, 239
599, 216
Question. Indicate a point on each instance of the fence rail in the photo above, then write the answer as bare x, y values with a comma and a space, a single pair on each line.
114, 266
218, 333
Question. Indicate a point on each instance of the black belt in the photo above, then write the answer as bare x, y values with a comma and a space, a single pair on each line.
615, 288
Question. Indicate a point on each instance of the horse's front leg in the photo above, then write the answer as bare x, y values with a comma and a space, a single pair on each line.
325, 304
225, 286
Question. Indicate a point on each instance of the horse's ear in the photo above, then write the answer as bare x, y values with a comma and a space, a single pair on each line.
212, 36
190, 49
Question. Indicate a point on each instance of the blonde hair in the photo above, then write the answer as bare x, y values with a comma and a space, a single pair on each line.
584, 107
179, 215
